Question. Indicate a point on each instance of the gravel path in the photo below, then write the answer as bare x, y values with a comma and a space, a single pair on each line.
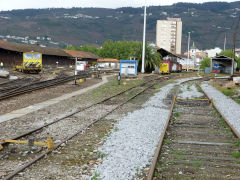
189, 91
131, 146
225, 105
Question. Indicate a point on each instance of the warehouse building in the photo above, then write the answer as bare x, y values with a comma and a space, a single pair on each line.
12, 52
108, 63
223, 64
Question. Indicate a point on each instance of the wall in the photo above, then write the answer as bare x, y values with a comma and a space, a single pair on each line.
9, 57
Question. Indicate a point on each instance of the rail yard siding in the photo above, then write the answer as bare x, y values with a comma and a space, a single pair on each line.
225, 105
131, 145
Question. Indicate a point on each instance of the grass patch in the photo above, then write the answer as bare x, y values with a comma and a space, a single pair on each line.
227, 141
197, 163
96, 176
179, 152
167, 141
90, 150
157, 175
228, 92
185, 178
177, 114
156, 86
238, 161
180, 158
237, 142
171, 161
112, 87
101, 155
224, 125
236, 155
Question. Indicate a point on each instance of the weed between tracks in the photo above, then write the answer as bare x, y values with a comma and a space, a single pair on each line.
113, 87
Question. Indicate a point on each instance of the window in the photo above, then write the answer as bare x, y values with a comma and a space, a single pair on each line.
27, 56
131, 67
36, 56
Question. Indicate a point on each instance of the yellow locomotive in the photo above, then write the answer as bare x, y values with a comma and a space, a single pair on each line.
32, 62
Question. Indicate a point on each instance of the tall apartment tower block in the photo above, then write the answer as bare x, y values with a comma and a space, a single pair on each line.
169, 34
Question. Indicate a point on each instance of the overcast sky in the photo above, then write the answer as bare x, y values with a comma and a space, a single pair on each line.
26, 4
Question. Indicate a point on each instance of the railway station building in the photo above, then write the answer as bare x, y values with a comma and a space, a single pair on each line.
223, 64
12, 52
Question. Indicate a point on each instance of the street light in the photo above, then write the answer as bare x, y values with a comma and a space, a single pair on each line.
144, 34
188, 51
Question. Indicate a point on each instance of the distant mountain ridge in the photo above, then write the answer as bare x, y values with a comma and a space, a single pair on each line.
208, 22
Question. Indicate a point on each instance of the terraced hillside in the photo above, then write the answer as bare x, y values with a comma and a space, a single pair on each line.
208, 22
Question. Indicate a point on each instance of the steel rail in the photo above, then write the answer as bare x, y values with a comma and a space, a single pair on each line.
75, 112
160, 142
235, 132
39, 85
14, 173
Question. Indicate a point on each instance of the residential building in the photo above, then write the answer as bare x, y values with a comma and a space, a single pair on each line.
213, 52
169, 35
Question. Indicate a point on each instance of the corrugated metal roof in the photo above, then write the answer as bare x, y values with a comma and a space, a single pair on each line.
164, 52
81, 54
108, 60
28, 48
45, 50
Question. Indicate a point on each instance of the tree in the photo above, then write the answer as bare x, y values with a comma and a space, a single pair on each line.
91, 49
152, 57
205, 63
123, 50
228, 53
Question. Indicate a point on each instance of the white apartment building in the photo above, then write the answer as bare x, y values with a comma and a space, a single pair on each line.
169, 34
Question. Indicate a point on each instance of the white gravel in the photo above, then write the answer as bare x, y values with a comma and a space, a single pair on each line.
189, 91
131, 145
225, 105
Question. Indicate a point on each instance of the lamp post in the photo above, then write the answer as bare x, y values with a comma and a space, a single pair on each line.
144, 34
188, 51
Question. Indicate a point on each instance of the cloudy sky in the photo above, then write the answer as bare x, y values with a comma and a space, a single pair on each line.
24, 4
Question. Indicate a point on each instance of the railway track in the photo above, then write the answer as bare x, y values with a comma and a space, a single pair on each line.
22, 88
72, 123
198, 144
4, 87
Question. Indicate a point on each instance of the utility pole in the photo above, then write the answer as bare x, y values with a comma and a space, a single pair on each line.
144, 39
235, 37
224, 47
188, 51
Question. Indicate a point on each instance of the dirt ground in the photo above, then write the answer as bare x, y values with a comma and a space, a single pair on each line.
228, 88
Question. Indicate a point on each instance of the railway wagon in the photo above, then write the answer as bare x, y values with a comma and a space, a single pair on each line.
32, 63
179, 67
168, 66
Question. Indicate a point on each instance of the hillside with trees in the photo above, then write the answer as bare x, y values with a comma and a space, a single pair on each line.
208, 22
